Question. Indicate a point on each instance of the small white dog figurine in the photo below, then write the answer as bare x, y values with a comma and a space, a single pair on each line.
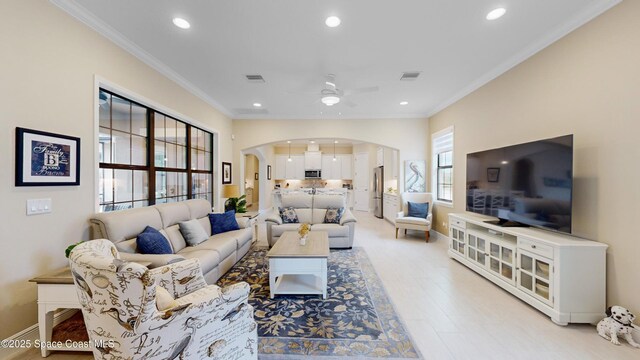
618, 323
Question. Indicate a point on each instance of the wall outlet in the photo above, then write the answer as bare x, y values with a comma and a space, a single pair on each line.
444, 224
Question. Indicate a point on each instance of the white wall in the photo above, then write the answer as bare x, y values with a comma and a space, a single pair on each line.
586, 84
48, 65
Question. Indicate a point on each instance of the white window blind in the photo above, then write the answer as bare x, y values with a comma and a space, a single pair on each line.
442, 165
442, 141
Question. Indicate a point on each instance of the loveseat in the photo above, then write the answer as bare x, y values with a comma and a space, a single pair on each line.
312, 209
217, 254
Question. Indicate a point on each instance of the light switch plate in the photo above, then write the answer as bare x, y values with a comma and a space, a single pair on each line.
38, 206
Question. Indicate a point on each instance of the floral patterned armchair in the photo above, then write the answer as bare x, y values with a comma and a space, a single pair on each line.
118, 301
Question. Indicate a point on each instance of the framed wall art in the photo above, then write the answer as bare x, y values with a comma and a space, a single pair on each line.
46, 159
226, 173
415, 176
256, 176
493, 174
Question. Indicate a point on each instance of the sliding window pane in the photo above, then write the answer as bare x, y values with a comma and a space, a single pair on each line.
121, 147
120, 114
139, 120
138, 150
123, 185
159, 126
105, 186
170, 130
159, 154
207, 144
171, 162
181, 133
105, 109
104, 145
140, 185
201, 139
182, 157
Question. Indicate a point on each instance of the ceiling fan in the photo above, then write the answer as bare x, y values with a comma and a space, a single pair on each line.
331, 94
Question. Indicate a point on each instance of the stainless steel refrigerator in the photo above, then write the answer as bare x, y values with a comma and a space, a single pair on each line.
378, 184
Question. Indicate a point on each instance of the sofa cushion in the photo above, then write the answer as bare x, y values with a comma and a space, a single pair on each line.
173, 213
333, 216
304, 215
298, 201
175, 237
198, 208
224, 244
205, 222
242, 236
413, 220
208, 259
318, 216
328, 201
126, 224
419, 210
277, 230
151, 241
223, 222
164, 300
333, 230
288, 215
193, 232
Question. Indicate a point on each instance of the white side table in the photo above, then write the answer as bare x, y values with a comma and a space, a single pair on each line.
55, 291
253, 221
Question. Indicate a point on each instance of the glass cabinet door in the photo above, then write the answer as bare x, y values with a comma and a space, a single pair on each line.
502, 260
535, 276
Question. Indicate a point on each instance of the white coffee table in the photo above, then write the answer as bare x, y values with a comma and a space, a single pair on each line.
299, 269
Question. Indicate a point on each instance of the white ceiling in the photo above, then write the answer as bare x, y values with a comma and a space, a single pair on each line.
286, 41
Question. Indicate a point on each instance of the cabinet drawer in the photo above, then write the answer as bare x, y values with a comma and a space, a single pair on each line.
535, 247
457, 222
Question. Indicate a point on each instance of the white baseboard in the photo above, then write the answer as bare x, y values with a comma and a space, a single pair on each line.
32, 334
438, 236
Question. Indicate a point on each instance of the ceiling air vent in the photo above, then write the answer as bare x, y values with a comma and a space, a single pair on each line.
409, 76
255, 78
251, 111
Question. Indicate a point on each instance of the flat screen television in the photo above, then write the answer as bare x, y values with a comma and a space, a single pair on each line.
529, 184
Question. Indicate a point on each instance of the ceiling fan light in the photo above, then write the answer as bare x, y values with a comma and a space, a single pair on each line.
330, 100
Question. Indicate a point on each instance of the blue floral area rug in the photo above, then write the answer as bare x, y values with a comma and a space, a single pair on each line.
356, 320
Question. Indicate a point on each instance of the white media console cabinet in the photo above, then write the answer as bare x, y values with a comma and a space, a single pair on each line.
561, 276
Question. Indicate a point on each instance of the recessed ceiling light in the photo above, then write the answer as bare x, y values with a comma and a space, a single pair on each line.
404, 102
496, 13
335, 142
313, 142
257, 104
504, 162
181, 23
332, 21
288, 141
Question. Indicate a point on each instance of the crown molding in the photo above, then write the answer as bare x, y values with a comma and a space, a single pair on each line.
554, 35
87, 18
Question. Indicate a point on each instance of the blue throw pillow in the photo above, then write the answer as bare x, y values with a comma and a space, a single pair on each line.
419, 210
333, 216
289, 215
223, 222
151, 241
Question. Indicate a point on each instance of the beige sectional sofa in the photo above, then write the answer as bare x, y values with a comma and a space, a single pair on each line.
217, 254
311, 209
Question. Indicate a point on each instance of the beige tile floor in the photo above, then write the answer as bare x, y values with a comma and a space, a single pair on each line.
453, 313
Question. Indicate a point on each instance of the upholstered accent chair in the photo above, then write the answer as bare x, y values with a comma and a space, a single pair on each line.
406, 222
125, 321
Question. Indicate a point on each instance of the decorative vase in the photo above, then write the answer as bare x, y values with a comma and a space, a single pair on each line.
303, 240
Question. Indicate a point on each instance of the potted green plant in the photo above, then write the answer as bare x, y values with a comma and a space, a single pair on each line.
238, 204
67, 251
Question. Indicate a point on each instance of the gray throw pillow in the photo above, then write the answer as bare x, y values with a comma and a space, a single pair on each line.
193, 232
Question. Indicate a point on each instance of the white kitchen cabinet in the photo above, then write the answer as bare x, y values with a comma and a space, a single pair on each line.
380, 157
562, 276
293, 169
280, 172
390, 207
340, 169
312, 160
327, 167
394, 163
